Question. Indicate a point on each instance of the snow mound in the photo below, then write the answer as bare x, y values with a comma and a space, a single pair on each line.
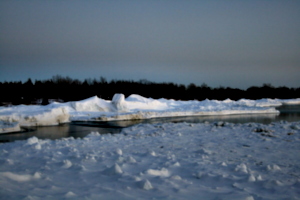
162, 173
119, 102
132, 108
93, 104
20, 177
146, 185
137, 102
114, 170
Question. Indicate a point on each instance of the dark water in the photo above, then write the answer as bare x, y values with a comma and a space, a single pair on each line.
81, 129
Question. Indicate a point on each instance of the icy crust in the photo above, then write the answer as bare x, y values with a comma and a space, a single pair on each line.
34, 115
7, 127
133, 107
290, 101
162, 161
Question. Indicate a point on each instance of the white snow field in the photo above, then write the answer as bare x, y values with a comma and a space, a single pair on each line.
152, 161
158, 161
133, 107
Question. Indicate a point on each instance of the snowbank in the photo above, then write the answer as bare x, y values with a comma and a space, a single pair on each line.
290, 101
93, 104
7, 127
133, 107
161, 161
34, 115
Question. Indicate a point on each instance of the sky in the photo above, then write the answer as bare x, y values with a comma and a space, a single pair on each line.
228, 43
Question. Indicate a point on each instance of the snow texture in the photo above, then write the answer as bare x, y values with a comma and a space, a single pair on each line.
158, 161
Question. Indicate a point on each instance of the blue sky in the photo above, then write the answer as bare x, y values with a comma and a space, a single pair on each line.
220, 43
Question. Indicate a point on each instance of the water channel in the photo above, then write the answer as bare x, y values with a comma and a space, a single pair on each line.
81, 129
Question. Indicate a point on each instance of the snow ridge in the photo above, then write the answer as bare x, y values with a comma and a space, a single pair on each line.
131, 108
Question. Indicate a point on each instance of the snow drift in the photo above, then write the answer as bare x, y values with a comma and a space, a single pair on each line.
133, 107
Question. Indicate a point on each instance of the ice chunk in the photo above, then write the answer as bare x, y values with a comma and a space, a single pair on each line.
162, 173
70, 194
119, 102
32, 140
119, 152
251, 178
146, 185
249, 198
130, 159
67, 164
242, 168
177, 164
18, 177
259, 178
114, 170
290, 101
176, 177
273, 167
6, 127
152, 153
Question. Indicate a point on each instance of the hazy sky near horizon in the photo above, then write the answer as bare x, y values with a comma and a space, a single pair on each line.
221, 43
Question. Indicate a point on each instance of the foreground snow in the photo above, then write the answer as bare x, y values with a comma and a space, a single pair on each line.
133, 107
160, 161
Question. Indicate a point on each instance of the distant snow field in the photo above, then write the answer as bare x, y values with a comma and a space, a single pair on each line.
152, 161
161, 161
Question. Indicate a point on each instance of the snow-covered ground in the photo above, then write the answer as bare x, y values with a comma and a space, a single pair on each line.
158, 161
152, 161
133, 107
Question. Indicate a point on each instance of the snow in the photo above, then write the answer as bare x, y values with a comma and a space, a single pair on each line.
7, 127
34, 115
130, 108
221, 160
290, 101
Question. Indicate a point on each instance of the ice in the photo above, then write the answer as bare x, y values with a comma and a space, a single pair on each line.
119, 102
152, 161
119, 152
290, 101
32, 140
162, 173
261, 102
19, 177
146, 185
7, 127
67, 164
130, 108
70, 195
242, 168
34, 115
113, 170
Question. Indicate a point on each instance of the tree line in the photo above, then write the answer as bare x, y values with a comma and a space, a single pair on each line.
68, 89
